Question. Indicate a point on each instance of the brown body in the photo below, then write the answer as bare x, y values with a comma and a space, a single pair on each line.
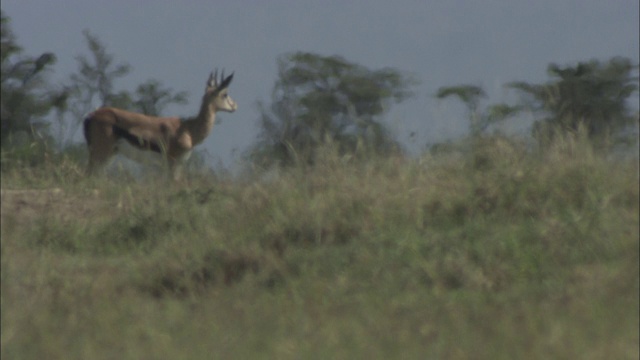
171, 137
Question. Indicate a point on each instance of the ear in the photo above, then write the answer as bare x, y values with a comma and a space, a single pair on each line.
225, 83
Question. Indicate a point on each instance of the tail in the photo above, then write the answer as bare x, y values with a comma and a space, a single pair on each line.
87, 130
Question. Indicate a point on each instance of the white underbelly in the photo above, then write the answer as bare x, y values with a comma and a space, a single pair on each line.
146, 157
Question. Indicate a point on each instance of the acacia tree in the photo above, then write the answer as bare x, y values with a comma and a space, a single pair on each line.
94, 81
23, 86
318, 100
590, 94
151, 98
479, 120
25, 99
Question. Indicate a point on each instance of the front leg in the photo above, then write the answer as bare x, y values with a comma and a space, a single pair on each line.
175, 170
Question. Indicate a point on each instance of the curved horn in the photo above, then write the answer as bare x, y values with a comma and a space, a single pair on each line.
213, 82
226, 82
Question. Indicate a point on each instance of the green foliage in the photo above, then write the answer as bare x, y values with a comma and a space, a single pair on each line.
8, 43
93, 82
479, 120
152, 98
592, 94
320, 100
25, 100
96, 76
498, 254
468, 94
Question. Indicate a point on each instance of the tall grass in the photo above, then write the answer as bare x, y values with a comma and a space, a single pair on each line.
498, 253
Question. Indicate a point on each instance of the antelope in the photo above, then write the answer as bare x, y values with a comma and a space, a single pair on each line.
109, 131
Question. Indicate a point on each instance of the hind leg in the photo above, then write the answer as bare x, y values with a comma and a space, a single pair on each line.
101, 148
97, 164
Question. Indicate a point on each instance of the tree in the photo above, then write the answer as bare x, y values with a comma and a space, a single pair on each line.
479, 120
152, 98
318, 100
590, 94
96, 76
93, 81
25, 99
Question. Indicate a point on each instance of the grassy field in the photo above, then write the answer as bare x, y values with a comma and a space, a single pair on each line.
501, 253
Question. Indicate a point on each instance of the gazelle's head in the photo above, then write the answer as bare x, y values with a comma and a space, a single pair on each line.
217, 93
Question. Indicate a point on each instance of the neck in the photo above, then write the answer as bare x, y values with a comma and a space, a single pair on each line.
200, 126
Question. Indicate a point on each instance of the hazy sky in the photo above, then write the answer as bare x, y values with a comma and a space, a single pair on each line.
442, 43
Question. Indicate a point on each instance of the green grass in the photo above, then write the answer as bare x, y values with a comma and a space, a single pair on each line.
501, 254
